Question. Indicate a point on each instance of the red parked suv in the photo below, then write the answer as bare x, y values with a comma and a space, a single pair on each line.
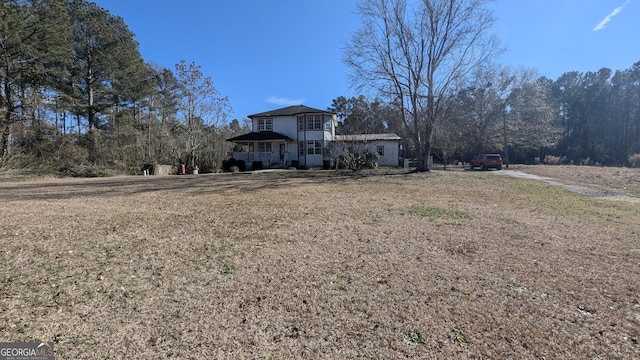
487, 161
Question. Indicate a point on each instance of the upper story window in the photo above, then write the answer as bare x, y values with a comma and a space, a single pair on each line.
314, 122
265, 124
327, 123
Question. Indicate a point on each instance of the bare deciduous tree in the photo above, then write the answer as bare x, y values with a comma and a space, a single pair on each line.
478, 109
200, 105
413, 51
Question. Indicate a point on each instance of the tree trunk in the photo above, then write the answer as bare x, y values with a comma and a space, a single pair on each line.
93, 144
6, 140
93, 137
421, 157
8, 107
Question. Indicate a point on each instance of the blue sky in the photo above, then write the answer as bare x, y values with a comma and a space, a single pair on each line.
268, 54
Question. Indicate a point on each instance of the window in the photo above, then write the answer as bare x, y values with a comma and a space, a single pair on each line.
314, 122
314, 147
300, 123
380, 150
301, 148
327, 123
265, 124
243, 147
264, 147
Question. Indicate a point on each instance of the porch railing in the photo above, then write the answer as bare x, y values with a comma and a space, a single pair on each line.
269, 159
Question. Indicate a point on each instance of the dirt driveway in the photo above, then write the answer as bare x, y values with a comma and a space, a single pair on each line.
606, 183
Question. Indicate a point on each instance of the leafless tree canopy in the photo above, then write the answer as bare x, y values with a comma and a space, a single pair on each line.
413, 51
200, 105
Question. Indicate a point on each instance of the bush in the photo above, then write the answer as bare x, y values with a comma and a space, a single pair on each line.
359, 161
242, 165
59, 156
371, 159
552, 160
256, 165
634, 160
228, 164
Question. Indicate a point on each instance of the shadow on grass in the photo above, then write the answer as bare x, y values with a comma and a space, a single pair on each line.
57, 189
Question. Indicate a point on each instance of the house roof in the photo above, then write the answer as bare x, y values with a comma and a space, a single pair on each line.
290, 111
368, 137
261, 136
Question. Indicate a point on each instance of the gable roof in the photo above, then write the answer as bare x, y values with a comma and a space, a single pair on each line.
368, 137
290, 111
261, 136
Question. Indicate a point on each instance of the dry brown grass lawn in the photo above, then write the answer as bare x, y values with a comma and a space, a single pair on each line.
291, 265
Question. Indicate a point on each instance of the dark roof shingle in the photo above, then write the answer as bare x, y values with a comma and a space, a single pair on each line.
290, 111
261, 136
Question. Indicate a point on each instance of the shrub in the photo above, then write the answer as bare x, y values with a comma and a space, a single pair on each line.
60, 156
242, 165
634, 160
359, 161
256, 165
371, 159
228, 164
552, 160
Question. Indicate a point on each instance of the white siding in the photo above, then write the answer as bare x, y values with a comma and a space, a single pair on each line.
285, 126
288, 126
390, 157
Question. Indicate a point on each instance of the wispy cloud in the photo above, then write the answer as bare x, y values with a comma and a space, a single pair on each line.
605, 21
283, 101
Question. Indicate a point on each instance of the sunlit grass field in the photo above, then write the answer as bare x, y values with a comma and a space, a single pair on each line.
319, 264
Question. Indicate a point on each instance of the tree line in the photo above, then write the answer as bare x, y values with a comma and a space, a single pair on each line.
580, 118
430, 62
76, 97
590, 118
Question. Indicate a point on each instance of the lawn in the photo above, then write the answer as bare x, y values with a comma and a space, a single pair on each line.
319, 264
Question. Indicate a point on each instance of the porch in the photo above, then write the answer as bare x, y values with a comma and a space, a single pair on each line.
269, 159
270, 148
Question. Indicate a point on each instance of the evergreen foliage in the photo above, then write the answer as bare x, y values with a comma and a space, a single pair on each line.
78, 99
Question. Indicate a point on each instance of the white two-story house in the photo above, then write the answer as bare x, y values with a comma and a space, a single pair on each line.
291, 136
302, 136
